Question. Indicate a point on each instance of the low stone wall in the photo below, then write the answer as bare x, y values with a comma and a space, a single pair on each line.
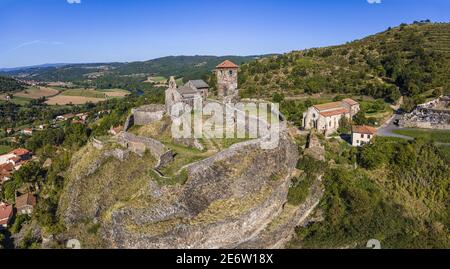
140, 145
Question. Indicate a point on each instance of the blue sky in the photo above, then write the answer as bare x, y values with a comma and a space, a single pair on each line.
55, 31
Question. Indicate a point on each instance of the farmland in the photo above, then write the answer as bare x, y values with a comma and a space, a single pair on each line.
37, 92
80, 96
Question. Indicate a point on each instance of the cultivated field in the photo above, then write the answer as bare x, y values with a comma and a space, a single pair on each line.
74, 100
37, 92
83, 96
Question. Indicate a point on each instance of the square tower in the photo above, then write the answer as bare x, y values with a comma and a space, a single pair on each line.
227, 79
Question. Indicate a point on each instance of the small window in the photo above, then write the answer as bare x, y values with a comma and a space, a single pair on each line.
329, 124
362, 136
230, 72
368, 136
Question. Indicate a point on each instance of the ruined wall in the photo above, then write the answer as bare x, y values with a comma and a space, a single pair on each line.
140, 145
145, 115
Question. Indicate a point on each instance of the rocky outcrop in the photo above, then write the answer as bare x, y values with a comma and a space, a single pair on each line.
228, 199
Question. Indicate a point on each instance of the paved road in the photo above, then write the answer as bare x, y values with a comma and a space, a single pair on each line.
389, 127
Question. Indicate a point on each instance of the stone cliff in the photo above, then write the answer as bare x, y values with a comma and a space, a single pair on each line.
235, 198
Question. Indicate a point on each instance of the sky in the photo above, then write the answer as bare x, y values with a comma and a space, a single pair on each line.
79, 31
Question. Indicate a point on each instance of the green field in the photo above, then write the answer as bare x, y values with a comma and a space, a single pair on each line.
442, 136
84, 93
20, 100
159, 79
5, 149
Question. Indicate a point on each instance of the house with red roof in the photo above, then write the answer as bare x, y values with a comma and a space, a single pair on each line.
12, 161
25, 204
325, 118
362, 135
6, 214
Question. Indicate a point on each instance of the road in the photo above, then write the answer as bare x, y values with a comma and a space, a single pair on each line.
387, 130
389, 127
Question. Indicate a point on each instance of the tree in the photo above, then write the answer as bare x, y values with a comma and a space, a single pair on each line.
344, 126
278, 97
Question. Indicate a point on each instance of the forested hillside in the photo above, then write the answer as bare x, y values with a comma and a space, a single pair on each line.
188, 67
9, 85
406, 60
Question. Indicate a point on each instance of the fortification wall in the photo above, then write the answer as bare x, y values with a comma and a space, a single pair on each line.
140, 145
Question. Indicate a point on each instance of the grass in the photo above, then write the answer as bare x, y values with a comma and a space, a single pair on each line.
37, 92
84, 93
442, 136
17, 100
5, 149
159, 79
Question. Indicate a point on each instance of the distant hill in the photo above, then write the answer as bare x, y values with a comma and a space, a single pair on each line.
9, 85
189, 67
409, 60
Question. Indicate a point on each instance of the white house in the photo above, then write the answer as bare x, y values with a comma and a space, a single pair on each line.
362, 135
325, 118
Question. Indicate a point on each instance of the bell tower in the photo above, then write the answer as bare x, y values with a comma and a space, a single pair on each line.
227, 79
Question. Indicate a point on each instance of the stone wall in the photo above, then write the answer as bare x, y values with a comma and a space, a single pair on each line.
145, 115
140, 145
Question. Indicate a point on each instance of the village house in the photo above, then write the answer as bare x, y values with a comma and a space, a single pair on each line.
325, 118
12, 161
6, 171
25, 204
362, 135
227, 79
65, 117
27, 131
82, 116
6, 214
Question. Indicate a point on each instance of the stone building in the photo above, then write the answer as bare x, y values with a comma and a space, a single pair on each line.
362, 134
25, 204
325, 118
194, 89
227, 79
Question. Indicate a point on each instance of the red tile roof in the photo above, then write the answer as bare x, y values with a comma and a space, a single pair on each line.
335, 112
6, 212
24, 200
349, 101
329, 106
20, 152
8, 167
364, 129
227, 64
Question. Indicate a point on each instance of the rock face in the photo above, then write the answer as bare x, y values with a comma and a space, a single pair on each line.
228, 199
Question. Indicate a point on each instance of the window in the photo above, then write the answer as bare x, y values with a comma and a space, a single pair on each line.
314, 115
230, 72
362, 135
329, 124
368, 136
